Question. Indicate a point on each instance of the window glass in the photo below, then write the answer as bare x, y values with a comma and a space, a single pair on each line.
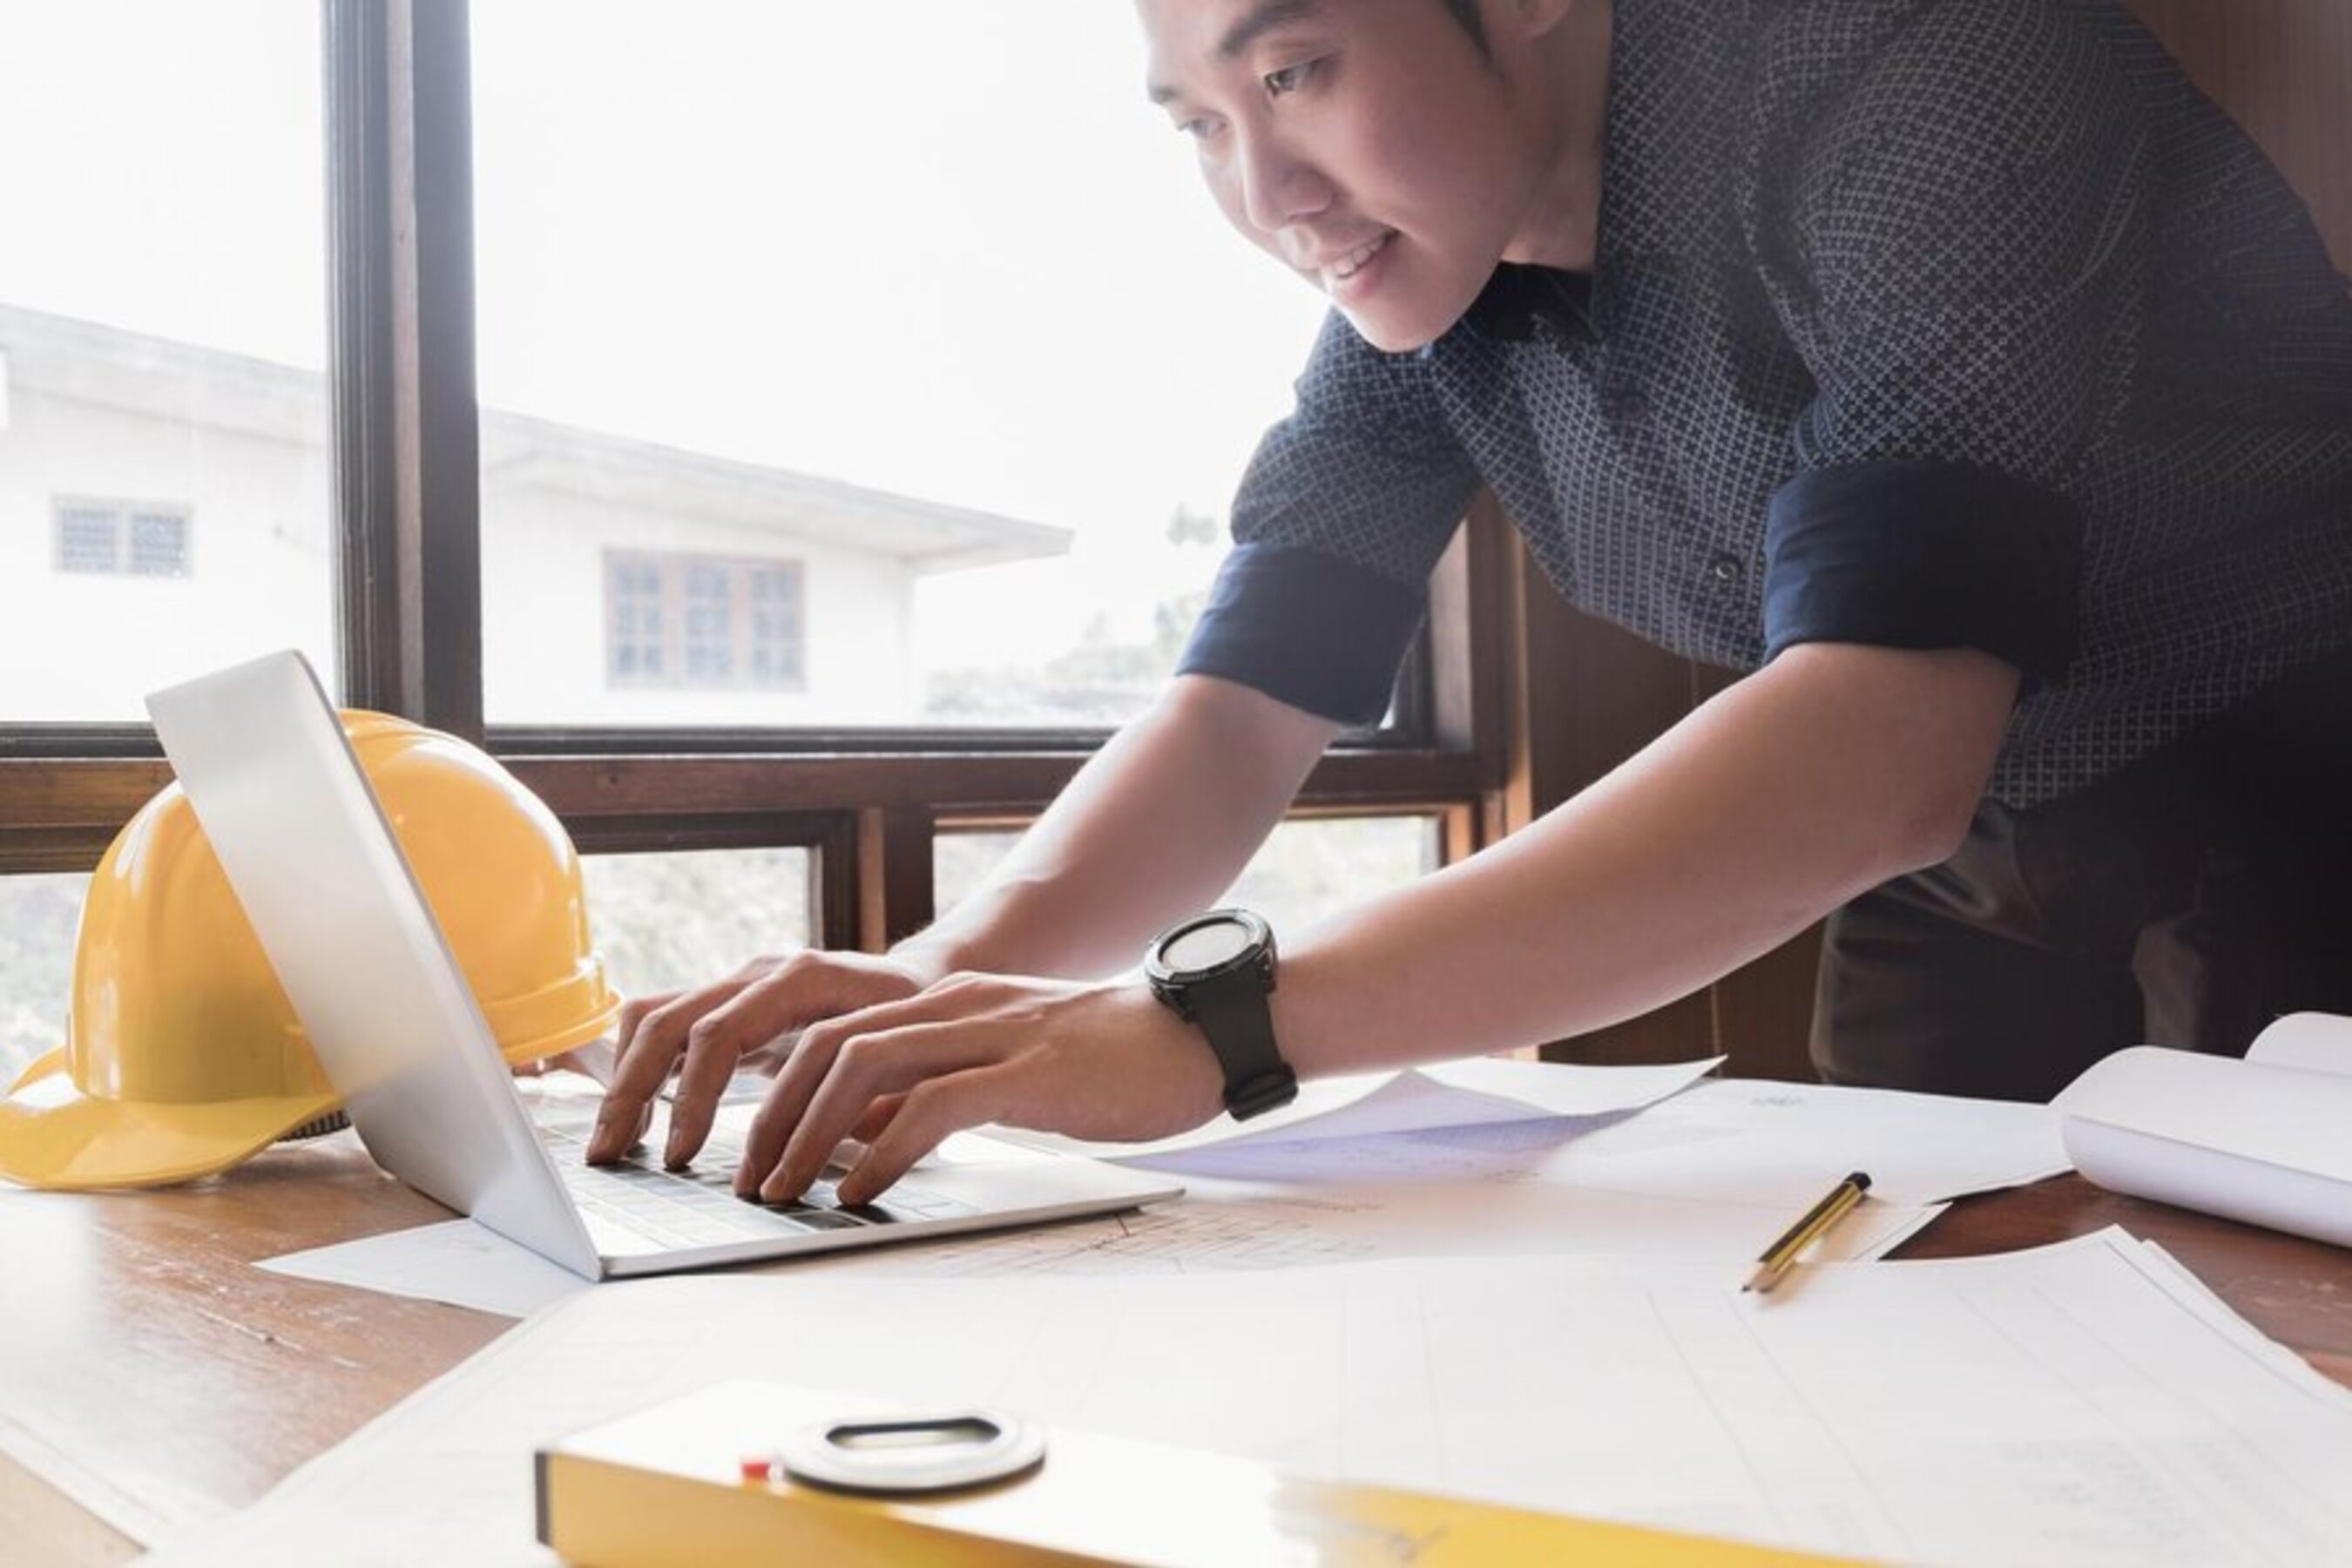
677, 920
661, 921
159, 544
917, 314
90, 539
37, 920
163, 455
691, 622
1310, 869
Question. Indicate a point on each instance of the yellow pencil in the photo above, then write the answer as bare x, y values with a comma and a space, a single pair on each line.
1817, 1220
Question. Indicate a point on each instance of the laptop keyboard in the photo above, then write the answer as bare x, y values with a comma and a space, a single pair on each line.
697, 1206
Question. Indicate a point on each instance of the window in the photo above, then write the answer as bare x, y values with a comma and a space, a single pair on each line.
159, 544
1307, 870
863, 567
121, 539
675, 921
699, 621
163, 319
87, 540
38, 916
1005, 460
636, 642
775, 638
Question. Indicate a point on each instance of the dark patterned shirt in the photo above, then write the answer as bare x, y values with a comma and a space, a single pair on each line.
1921, 323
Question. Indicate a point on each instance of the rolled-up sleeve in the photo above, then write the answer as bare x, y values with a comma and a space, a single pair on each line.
1959, 267
1923, 555
1344, 509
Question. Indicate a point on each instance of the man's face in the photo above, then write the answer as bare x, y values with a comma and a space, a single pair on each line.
1368, 145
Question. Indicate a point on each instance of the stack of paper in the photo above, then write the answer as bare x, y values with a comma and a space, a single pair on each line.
1490, 1158
1747, 1140
1487, 1158
2086, 1404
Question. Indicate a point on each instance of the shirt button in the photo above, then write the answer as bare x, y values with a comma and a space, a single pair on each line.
1724, 568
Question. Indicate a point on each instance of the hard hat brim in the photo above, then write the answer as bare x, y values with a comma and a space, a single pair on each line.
54, 1136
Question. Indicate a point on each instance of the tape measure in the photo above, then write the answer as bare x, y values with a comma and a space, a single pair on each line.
896, 1455
701, 1478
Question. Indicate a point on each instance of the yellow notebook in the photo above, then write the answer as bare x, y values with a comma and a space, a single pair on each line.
669, 1486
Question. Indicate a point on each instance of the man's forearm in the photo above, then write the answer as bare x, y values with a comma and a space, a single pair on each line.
1153, 827
1819, 777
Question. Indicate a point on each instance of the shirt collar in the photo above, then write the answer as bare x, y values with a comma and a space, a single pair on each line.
1668, 141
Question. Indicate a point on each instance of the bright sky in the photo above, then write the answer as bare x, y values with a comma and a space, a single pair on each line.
932, 246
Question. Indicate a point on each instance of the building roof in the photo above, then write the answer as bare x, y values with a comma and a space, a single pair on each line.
91, 363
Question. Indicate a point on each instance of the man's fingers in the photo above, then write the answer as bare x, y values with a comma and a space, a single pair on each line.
796, 1082
877, 1116
769, 1056
646, 1056
633, 1010
715, 1043
931, 1110
865, 1067
780, 1108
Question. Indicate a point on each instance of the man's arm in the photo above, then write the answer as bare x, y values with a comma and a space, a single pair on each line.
1829, 771
1157, 825
1834, 768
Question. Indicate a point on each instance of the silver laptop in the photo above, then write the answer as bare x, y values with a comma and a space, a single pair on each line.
281, 794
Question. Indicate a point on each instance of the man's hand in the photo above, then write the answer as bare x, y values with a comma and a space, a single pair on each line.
720, 1025
1101, 1061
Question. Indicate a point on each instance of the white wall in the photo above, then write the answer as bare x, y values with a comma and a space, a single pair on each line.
86, 646
543, 616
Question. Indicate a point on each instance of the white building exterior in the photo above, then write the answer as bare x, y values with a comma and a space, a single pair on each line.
164, 509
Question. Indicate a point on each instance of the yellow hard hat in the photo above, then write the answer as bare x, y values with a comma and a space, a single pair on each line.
182, 1055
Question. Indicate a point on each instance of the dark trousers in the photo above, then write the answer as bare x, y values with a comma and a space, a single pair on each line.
2184, 900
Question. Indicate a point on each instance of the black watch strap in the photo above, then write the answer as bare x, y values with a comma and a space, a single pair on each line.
1232, 1011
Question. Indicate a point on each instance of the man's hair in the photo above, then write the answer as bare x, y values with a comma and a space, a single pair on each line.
1467, 13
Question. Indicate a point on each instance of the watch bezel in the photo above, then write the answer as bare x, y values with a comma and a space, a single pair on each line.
1257, 953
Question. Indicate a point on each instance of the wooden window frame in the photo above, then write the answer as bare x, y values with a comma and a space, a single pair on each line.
408, 515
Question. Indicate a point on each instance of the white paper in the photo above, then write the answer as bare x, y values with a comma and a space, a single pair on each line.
1769, 1141
2267, 1140
456, 1261
1222, 1225
2073, 1404
2283, 1117
1470, 1093
1440, 1192
148, 1508
2313, 1042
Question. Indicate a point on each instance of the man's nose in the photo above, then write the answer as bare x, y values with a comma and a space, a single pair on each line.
1279, 187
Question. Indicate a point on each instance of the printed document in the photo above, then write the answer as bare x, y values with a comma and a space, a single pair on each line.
2080, 1404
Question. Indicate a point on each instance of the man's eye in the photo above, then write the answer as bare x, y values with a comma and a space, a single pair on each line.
1199, 127
1289, 79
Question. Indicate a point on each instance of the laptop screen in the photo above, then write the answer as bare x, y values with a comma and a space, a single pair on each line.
281, 796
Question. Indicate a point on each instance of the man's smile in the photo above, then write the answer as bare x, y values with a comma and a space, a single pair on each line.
1333, 268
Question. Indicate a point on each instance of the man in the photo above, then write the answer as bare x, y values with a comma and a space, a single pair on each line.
1948, 364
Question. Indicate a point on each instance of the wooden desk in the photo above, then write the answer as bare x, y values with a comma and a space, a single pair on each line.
146, 1369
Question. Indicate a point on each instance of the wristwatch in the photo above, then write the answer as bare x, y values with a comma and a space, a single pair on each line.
1216, 970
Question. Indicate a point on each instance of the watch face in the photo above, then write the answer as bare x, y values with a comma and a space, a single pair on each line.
1205, 946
